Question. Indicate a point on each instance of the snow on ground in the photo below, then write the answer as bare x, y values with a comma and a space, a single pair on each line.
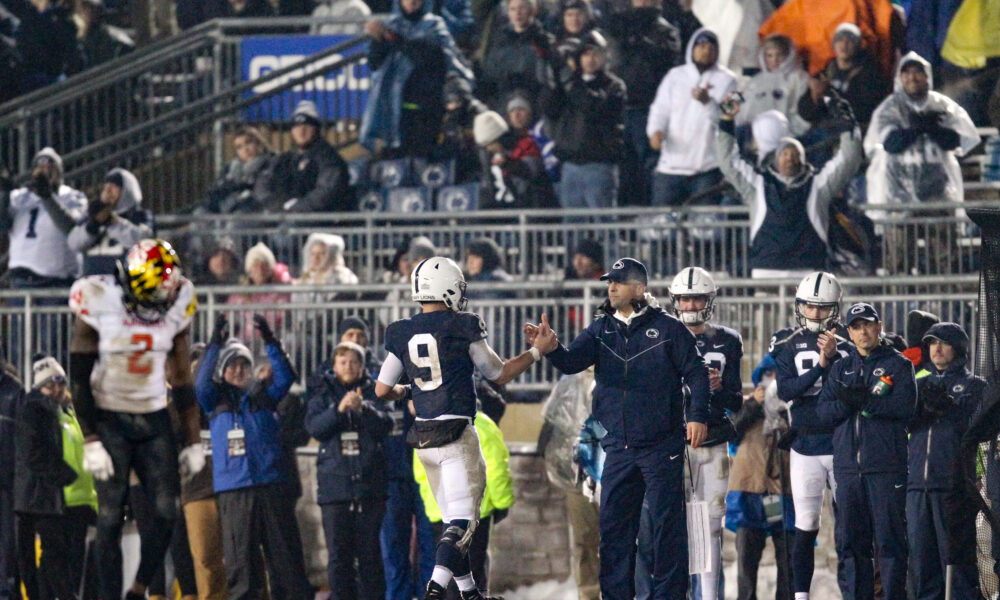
547, 590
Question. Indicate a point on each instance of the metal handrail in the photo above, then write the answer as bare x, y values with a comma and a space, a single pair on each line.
199, 106
138, 62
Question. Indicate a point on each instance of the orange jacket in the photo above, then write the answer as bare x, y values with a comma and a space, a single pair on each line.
811, 23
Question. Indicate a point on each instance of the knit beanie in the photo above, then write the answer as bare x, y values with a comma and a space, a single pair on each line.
488, 127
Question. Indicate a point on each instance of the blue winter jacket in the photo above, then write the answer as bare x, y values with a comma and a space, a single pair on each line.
935, 440
384, 111
640, 371
351, 460
253, 411
872, 440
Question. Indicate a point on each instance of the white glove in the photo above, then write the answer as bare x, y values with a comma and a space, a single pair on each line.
97, 461
191, 461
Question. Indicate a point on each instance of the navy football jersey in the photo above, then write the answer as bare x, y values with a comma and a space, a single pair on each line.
800, 380
722, 349
434, 350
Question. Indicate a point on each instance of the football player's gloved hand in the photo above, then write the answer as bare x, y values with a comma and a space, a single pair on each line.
500, 514
97, 461
221, 332
191, 461
262, 327
853, 397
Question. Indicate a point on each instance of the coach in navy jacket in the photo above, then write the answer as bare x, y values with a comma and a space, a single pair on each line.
642, 359
870, 397
940, 519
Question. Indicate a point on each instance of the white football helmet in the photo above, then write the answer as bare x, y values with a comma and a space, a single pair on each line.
693, 281
439, 279
818, 289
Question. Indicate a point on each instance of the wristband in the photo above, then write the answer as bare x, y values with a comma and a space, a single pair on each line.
536, 354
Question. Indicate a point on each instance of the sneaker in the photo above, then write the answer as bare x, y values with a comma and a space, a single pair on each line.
434, 591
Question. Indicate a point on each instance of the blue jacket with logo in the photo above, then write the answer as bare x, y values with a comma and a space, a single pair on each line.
935, 440
872, 440
640, 370
351, 463
254, 411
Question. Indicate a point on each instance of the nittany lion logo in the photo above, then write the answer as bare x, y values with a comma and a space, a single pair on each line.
652, 334
958, 389
857, 310
878, 372
618, 265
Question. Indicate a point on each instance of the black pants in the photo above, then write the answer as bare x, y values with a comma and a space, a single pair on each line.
64, 544
749, 547
262, 517
352, 534
180, 549
144, 443
478, 555
8, 545
871, 516
941, 531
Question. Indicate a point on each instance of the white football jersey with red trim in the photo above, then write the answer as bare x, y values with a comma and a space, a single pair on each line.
130, 373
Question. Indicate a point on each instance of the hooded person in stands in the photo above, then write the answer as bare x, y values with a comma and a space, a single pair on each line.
778, 86
682, 122
484, 263
788, 199
940, 520
311, 177
114, 224
915, 139
513, 172
585, 105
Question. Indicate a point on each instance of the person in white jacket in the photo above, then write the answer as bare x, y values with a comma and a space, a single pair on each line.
683, 120
779, 85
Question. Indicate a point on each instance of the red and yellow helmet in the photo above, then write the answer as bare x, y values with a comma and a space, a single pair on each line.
150, 276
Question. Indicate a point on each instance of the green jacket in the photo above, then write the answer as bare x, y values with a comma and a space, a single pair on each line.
499, 486
81, 492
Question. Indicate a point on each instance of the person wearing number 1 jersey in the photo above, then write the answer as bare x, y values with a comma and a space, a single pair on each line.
131, 338
439, 349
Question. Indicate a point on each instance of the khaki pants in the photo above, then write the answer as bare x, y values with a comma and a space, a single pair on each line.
205, 537
586, 532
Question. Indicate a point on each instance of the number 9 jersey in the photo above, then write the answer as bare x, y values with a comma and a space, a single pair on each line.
438, 351
130, 373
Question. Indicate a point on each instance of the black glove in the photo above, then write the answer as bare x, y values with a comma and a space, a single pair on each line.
853, 397
41, 185
221, 332
260, 324
935, 399
500, 514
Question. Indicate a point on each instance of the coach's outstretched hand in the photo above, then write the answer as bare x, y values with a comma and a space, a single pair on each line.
544, 339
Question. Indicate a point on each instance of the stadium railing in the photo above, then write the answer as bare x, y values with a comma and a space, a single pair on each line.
930, 239
309, 314
123, 104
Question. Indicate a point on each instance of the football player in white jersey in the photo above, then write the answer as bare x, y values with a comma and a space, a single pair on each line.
130, 338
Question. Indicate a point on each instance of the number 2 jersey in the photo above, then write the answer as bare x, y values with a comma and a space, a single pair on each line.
439, 351
800, 379
130, 373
